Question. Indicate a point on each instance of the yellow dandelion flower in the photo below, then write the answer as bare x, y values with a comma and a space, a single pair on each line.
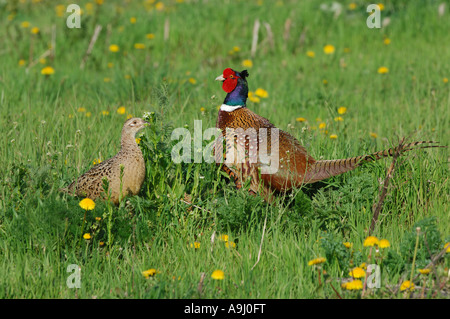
425, 271
106, 80
329, 49
99, 2
348, 244
25, 24
342, 110
218, 274
310, 54
407, 285
87, 236
138, 140
230, 244
384, 243
353, 285
387, 41
150, 36
110, 65
381, 6
195, 245
383, 70
192, 81
445, 80
333, 136
223, 237
448, 247
98, 218
300, 119
357, 272
363, 266
139, 46
316, 261
374, 135
114, 48
346, 50
48, 70
22, 62
352, 6
133, 20
96, 161
35, 30
325, 82
129, 116
42, 61
87, 204
202, 109
121, 110
370, 241
105, 113
338, 118
149, 272
81, 110
322, 125
127, 76
253, 98
261, 93
101, 243
247, 63
159, 6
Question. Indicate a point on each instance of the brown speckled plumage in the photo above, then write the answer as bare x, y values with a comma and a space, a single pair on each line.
90, 184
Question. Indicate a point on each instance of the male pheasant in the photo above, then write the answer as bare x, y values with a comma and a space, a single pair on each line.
90, 184
246, 134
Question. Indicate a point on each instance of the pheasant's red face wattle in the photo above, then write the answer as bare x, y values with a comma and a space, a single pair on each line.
230, 82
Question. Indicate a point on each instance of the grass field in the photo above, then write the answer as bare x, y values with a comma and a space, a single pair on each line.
163, 57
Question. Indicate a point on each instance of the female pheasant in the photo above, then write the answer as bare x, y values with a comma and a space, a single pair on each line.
90, 184
273, 159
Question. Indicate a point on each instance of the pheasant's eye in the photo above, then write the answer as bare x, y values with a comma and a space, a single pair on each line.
134, 122
231, 76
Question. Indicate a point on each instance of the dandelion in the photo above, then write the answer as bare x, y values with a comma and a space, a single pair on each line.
448, 247
384, 243
353, 285
322, 126
195, 245
218, 274
352, 6
139, 46
425, 271
106, 80
150, 36
230, 244
387, 41
329, 49
192, 81
87, 204
114, 48
300, 119
346, 50
96, 161
81, 110
223, 237
127, 76
87, 236
202, 109
247, 63
407, 285
374, 135
48, 70
133, 20
316, 261
121, 110
310, 54
149, 272
35, 30
325, 82
261, 93
159, 6
348, 244
342, 110
253, 98
236, 49
42, 61
339, 119
25, 24
383, 70
98, 218
22, 62
357, 272
445, 80
110, 65
381, 6
105, 113
333, 136
138, 140
370, 241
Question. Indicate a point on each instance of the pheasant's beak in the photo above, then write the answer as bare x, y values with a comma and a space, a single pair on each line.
220, 78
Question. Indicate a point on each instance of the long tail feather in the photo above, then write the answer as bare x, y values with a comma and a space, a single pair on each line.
326, 168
